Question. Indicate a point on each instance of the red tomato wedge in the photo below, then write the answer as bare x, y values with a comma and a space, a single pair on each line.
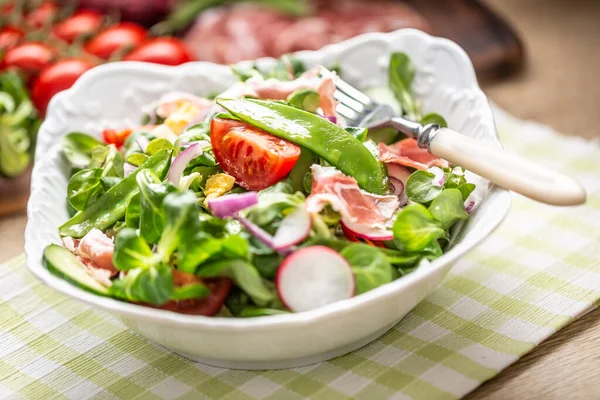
210, 305
115, 137
117, 37
82, 23
255, 158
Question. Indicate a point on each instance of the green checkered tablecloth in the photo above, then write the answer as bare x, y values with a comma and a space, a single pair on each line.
538, 272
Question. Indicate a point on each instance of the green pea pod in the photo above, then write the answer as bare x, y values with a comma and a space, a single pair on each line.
111, 206
330, 141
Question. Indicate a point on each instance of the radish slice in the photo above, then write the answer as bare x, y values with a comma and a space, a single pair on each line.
293, 229
314, 277
367, 232
231, 204
181, 161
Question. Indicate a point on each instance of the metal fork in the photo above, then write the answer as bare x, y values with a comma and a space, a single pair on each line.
504, 169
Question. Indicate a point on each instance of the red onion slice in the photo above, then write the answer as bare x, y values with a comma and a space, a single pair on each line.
128, 169
181, 161
230, 205
143, 142
439, 176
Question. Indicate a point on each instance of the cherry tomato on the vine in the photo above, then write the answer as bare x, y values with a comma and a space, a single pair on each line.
10, 36
43, 15
161, 50
56, 78
28, 58
81, 23
116, 38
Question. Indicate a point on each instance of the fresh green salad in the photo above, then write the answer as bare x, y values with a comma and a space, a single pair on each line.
257, 201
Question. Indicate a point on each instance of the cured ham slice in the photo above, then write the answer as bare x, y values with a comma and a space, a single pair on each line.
408, 154
361, 211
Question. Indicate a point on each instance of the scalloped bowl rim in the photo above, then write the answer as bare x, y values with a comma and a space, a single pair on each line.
303, 318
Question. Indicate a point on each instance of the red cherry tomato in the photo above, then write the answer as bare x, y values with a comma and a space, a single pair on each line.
115, 137
115, 38
10, 36
161, 50
28, 58
210, 305
56, 78
253, 157
81, 23
43, 15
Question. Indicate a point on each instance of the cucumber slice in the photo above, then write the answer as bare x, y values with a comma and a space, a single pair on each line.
64, 264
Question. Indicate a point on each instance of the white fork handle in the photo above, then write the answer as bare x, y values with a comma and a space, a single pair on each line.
507, 170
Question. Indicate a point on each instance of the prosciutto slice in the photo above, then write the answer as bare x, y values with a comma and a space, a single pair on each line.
318, 78
408, 154
95, 250
361, 211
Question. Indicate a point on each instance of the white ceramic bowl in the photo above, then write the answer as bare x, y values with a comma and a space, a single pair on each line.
112, 95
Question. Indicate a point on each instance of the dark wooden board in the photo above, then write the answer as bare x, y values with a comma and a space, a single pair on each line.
494, 47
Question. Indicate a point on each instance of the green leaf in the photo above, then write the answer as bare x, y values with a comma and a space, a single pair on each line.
83, 186
359, 132
251, 311
153, 284
244, 275
448, 207
434, 118
401, 76
137, 159
14, 151
274, 203
466, 190
370, 266
244, 72
77, 148
420, 187
181, 213
157, 145
131, 251
305, 99
415, 228
152, 194
191, 291
113, 163
132, 213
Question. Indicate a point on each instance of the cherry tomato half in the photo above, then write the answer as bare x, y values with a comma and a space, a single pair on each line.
115, 38
28, 58
43, 15
210, 305
10, 36
81, 23
161, 50
255, 158
56, 78
115, 137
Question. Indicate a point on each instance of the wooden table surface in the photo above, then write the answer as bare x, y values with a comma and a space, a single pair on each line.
559, 87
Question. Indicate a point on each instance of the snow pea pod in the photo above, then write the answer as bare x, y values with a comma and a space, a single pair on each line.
111, 206
328, 140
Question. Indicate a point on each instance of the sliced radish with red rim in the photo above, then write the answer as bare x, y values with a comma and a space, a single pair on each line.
314, 277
